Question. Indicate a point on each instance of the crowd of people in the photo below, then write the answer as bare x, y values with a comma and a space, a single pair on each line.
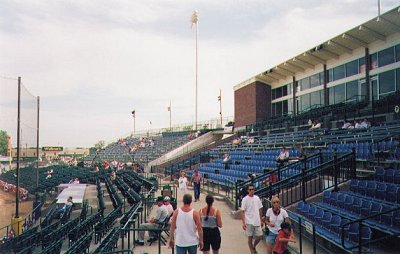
357, 124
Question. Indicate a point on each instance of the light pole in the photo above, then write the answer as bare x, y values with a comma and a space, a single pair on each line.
170, 116
195, 21
134, 121
220, 105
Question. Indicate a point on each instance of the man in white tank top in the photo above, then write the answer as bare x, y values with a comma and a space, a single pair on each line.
186, 230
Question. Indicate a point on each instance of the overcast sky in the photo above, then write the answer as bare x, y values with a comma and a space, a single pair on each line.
92, 62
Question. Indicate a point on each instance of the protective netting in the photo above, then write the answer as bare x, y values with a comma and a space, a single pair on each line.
9, 116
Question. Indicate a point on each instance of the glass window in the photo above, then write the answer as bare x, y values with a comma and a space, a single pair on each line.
290, 88
290, 106
352, 90
279, 108
397, 52
373, 58
361, 65
285, 107
273, 95
305, 102
322, 96
387, 82
315, 98
363, 90
284, 90
398, 79
278, 92
331, 92
315, 80
339, 93
338, 72
304, 83
386, 56
352, 68
273, 109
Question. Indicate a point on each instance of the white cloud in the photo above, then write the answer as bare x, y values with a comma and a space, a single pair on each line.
92, 62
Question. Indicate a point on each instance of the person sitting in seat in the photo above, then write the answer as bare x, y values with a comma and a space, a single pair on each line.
161, 215
65, 207
282, 158
365, 124
315, 125
347, 125
227, 160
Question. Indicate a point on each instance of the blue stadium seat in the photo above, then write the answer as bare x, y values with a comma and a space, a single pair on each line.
380, 174
299, 206
380, 191
356, 205
365, 207
371, 187
392, 192
326, 219
326, 196
389, 175
340, 200
362, 187
348, 202
387, 217
354, 185
335, 223
311, 212
318, 215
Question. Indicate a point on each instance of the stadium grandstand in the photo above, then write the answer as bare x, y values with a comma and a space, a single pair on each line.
320, 131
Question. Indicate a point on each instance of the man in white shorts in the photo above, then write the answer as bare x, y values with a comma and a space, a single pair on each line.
252, 218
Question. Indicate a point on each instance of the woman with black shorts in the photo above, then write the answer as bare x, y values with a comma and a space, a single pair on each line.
211, 222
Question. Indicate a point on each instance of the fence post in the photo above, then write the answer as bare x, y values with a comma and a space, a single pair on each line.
359, 237
353, 164
236, 196
313, 239
303, 181
335, 171
300, 237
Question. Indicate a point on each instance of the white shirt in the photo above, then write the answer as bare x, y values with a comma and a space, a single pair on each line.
186, 229
251, 207
182, 183
276, 219
283, 155
170, 209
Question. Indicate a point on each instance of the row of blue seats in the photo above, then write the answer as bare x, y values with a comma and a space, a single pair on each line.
234, 173
328, 225
354, 207
387, 175
380, 190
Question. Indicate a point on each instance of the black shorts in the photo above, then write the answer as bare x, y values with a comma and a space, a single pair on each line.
211, 236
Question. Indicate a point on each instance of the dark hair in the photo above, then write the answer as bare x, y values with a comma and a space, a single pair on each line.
209, 201
250, 185
285, 225
187, 199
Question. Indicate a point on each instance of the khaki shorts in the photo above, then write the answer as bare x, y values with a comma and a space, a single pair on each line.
252, 230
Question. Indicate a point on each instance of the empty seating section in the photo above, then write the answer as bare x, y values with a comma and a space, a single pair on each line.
328, 223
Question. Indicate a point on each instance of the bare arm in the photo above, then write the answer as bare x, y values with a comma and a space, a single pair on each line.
172, 229
282, 239
243, 219
219, 219
261, 215
287, 219
197, 221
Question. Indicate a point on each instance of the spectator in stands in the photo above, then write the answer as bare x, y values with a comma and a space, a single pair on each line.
251, 218
346, 124
196, 181
236, 142
310, 122
274, 218
283, 157
227, 160
357, 124
302, 155
186, 232
250, 140
365, 123
211, 222
168, 205
316, 125
182, 182
49, 173
152, 223
113, 175
283, 238
67, 204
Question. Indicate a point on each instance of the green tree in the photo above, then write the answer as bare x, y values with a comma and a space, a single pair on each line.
100, 145
3, 142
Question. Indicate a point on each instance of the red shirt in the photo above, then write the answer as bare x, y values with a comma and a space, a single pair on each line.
280, 247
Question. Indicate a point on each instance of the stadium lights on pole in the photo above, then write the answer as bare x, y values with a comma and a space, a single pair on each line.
170, 116
195, 21
134, 121
220, 104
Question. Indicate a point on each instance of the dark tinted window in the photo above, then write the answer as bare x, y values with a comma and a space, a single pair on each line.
397, 53
373, 58
398, 79
315, 80
338, 72
352, 68
315, 98
386, 56
387, 82
352, 90
339, 93
361, 65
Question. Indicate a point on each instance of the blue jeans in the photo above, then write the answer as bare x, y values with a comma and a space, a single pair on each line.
196, 187
186, 250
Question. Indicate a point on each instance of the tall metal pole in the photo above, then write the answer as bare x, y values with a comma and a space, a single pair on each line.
195, 21
134, 121
18, 147
37, 144
220, 104
170, 116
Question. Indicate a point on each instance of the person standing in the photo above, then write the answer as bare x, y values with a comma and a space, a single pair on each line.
186, 231
274, 218
211, 221
196, 180
182, 182
252, 218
